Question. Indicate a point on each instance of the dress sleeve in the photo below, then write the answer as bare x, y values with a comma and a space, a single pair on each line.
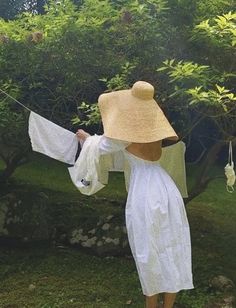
109, 145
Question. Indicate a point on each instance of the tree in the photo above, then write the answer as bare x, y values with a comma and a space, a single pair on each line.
58, 60
14, 142
206, 91
72, 53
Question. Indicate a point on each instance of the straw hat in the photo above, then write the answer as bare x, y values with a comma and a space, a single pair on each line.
133, 115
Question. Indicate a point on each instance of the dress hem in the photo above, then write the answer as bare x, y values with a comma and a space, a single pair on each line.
169, 291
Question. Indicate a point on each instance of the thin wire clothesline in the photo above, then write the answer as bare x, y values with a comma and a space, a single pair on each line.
16, 100
28, 109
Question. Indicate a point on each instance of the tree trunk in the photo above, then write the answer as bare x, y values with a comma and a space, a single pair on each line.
203, 179
6, 173
11, 165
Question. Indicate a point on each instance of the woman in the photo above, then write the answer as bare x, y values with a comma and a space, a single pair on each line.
156, 220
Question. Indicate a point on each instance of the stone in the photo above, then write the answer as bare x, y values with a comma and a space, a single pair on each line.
229, 299
221, 283
76, 236
108, 240
29, 215
86, 244
84, 237
93, 239
109, 217
93, 231
227, 302
26, 215
116, 241
90, 242
105, 227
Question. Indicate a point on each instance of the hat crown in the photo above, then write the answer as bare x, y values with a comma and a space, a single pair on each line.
143, 90
133, 115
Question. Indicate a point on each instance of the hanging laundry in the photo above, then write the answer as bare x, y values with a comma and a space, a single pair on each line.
118, 161
52, 140
91, 170
173, 161
229, 171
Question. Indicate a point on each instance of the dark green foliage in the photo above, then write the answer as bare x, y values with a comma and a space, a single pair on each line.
56, 61
61, 61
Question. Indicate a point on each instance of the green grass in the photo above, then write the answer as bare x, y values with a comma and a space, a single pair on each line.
70, 278
212, 217
67, 278
50, 174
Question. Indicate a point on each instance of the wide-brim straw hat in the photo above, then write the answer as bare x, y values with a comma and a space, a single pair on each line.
133, 115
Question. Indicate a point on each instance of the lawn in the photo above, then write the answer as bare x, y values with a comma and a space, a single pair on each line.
64, 277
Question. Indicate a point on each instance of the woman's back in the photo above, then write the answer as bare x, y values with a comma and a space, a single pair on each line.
148, 151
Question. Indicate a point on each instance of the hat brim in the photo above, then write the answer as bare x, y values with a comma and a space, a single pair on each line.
129, 118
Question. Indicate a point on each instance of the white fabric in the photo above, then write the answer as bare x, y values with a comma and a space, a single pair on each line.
229, 171
118, 162
111, 157
52, 140
157, 226
173, 161
85, 173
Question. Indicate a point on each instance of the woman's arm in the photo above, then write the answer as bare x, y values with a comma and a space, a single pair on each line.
82, 136
106, 145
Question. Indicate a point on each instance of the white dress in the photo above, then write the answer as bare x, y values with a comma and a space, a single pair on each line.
157, 225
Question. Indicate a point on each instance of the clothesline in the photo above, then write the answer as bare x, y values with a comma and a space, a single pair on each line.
49, 138
15, 100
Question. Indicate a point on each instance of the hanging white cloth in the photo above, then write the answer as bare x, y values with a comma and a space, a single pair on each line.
52, 140
118, 161
173, 161
229, 171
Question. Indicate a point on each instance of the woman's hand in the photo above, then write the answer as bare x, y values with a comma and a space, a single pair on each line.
82, 135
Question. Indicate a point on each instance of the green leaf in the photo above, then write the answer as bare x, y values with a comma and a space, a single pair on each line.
220, 89
162, 69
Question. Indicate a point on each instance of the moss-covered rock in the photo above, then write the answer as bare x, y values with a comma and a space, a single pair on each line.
93, 224
24, 216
